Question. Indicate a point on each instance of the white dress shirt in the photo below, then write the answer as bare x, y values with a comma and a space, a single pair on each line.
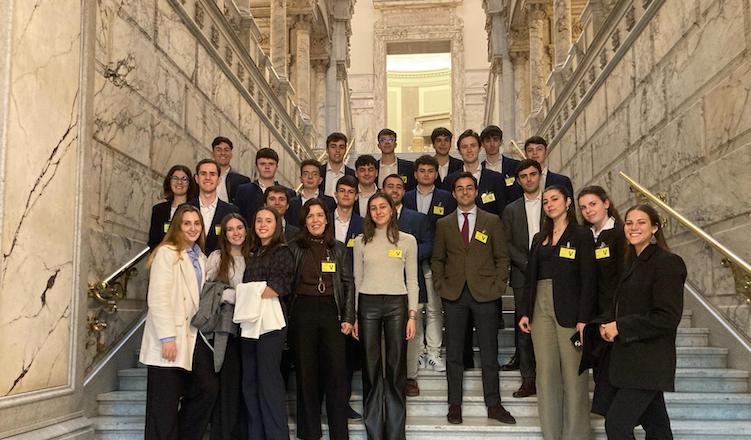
362, 199
341, 226
472, 218
221, 189
610, 224
386, 170
476, 173
544, 177
207, 212
331, 178
305, 199
497, 166
533, 208
443, 170
424, 199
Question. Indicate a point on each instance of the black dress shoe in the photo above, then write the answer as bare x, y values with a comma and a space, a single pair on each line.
499, 413
528, 388
352, 414
512, 365
455, 414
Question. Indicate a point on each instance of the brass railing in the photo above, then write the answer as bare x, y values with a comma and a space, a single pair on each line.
113, 288
741, 269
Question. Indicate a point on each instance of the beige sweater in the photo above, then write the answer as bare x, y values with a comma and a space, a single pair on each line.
379, 264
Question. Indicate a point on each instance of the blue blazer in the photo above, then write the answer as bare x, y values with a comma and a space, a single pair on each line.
508, 171
406, 170
560, 179
322, 187
295, 206
442, 199
417, 224
355, 229
490, 186
213, 230
248, 199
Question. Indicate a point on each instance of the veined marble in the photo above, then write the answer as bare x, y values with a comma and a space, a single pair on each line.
39, 233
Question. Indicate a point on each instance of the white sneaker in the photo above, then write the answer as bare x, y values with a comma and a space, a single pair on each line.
435, 362
422, 361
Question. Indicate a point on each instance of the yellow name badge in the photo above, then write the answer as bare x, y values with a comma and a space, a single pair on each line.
481, 237
488, 197
395, 253
404, 179
510, 180
351, 242
567, 252
166, 227
438, 210
218, 230
603, 252
328, 267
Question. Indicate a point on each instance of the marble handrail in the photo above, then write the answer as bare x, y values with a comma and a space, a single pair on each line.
741, 268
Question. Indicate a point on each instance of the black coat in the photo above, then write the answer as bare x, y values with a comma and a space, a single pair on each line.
649, 306
610, 248
343, 278
574, 280
160, 221
406, 170
233, 182
248, 199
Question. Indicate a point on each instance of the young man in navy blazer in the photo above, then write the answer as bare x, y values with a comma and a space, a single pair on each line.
310, 177
536, 148
492, 141
212, 208
418, 225
390, 164
334, 169
267, 164
348, 225
426, 198
447, 164
229, 181
491, 192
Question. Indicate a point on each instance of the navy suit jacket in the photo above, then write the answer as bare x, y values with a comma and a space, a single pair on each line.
249, 199
442, 199
490, 183
454, 165
290, 192
406, 170
508, 171
559, 179
160, 220
355, 229
322, 187
295, 206
417, 224
213, 230
233, 182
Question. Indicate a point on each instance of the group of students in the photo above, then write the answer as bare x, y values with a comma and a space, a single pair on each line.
370, 265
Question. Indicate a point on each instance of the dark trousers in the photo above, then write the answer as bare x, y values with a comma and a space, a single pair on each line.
229, 418
486, 324
263, 386
164, 388
524, 349
318, 346
354, 360
384, 398
631, 408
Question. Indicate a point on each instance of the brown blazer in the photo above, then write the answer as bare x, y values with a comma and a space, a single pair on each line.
482, 266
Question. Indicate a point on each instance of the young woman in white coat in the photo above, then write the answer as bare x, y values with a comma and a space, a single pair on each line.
181, 383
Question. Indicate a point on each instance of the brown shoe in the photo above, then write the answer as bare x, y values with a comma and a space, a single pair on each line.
412, 389
527, 389
455, 414
499, 413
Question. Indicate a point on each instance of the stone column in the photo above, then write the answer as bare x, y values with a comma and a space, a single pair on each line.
536, 17
561, 31
320, 91
278, 37
520, 61
301, 34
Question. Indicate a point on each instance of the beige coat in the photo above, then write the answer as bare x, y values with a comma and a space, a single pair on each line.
173, 300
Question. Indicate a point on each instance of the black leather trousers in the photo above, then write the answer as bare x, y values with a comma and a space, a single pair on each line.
384, 399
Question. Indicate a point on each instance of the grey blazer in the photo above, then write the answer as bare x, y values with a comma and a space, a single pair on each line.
517, 239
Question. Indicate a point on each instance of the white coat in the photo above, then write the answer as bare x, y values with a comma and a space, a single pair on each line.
173, 300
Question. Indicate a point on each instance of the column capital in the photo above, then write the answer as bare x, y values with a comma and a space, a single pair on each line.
536, 10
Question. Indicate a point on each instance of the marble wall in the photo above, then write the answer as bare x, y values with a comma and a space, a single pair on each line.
673, 113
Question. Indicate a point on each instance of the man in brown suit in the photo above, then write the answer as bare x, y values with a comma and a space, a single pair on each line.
470, 271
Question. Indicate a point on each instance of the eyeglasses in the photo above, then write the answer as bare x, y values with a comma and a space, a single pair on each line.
464, 188
311, 174
388, 140
177, 179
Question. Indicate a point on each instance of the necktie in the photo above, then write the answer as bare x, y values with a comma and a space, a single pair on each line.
465, 229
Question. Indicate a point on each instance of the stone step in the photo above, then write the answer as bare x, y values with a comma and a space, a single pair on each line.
436, 428
686, 337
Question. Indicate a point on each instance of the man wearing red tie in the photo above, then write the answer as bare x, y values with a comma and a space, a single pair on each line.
470, 271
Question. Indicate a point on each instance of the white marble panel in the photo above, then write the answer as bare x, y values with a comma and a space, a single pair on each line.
39, 193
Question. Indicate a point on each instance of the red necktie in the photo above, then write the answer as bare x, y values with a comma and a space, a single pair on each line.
465, 229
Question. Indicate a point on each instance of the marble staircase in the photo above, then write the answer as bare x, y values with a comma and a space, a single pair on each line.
711, 400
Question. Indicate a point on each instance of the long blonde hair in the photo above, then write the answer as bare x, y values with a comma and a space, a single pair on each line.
174, 236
